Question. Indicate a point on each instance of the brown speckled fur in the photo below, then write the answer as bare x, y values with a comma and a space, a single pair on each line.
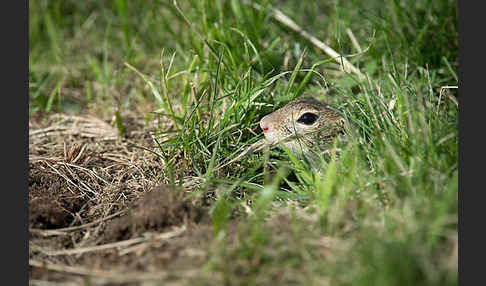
299, 138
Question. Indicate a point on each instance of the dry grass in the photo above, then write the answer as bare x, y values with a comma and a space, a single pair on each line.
382, 212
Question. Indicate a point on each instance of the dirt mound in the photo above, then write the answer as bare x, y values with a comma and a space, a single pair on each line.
155, 211
51, 205
81, 179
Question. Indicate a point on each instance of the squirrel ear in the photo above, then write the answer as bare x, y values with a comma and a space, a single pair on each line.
341, 122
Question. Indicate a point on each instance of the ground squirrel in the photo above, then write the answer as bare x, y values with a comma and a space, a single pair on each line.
303, 125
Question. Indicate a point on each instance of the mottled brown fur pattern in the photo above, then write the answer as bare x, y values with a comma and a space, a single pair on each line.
284, 126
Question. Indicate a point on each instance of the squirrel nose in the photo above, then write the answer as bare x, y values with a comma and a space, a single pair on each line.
264, 124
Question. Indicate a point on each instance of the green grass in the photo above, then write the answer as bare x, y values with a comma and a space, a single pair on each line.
390, 194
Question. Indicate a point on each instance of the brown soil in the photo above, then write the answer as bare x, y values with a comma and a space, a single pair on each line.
51, 205
155, 211
90, 189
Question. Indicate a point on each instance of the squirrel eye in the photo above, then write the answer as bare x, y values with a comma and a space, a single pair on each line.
307, 118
